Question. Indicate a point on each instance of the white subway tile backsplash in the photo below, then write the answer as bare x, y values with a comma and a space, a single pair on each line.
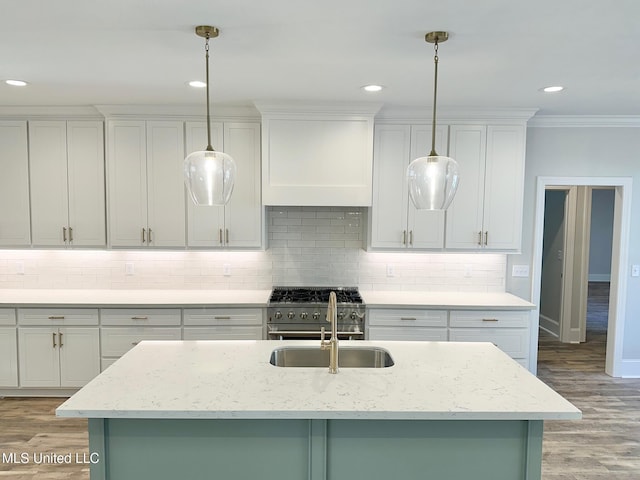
306, 246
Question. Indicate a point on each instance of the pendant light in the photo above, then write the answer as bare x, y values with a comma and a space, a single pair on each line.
433, 180
209, 175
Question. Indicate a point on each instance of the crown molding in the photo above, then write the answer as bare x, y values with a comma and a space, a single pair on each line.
61, 112
325, 109
178, 112
423, 115
542, 121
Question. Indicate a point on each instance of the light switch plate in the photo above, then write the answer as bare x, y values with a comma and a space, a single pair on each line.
20, 267
635, 270
391, 271
128, 268
468, 270
226, 270
520, 271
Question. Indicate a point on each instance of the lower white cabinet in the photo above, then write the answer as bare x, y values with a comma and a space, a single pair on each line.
223, 324
8, 357
116, 341
406, 324
59, 356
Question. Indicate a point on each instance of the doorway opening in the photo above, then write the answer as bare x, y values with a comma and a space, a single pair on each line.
565, 253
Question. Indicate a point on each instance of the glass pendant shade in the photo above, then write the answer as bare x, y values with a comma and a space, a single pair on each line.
433, 182
209, 177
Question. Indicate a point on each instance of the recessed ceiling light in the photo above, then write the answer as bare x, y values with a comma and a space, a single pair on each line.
372, 88
553, 89
16, 83
197, 84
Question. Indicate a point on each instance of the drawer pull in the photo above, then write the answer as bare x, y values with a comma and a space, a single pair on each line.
61, 344
221, 317
54, 340
56, 317
489, 319
134, 343
140, 317
408, 318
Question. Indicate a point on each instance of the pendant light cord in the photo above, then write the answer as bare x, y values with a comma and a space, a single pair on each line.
206, 49
435, 94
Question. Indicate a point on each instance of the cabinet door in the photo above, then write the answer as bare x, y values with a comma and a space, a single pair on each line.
390, 194
464, 216
205, 225
85, 163
426, 227
408, 334
39, 357
165, 183
15, 227
243, 213
126, 157
8, 357
503, 193
79, 355
48, 175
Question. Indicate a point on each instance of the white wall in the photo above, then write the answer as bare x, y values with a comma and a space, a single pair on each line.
308, 246
584, 151
602, 202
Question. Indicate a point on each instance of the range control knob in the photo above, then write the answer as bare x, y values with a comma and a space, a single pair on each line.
278, 315
353, 316
316, 315
303, 315
340, 315
290, 315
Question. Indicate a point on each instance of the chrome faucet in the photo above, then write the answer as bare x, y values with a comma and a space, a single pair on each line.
332, 345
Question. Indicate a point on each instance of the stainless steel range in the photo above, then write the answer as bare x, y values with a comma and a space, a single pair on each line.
300, 312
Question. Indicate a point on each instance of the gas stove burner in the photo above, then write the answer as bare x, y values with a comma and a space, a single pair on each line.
314, 295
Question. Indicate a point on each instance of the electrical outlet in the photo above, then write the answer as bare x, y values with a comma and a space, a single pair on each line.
226, 270
635, 270
128, 268
560, 254
391, 271
468, 270
520, 271
20, 267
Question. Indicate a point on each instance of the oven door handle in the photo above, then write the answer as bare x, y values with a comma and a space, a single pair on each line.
309, 333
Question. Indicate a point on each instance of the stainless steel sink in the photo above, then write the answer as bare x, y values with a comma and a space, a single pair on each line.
348, 357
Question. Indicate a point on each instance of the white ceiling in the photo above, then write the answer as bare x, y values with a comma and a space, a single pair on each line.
500, 52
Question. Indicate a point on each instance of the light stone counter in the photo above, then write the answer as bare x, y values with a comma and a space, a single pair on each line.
133, 298
233, 379
445, 300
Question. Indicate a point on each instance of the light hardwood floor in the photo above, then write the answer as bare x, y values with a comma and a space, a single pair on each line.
605, 445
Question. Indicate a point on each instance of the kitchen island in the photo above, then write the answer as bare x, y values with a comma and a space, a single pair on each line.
219, 409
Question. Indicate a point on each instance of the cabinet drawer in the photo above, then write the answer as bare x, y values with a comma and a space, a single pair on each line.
116, 342
57, 316
512, 341
140, 316
409, 317
7, 316
223, 332
223, 316
488, 318
408, 333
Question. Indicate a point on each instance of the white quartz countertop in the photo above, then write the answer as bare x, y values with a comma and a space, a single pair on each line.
161, 298
234, 379
461, 300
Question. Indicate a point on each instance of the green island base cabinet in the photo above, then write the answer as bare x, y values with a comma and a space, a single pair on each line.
443, 411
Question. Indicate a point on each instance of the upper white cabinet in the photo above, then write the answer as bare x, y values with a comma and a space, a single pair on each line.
67, 183
146, 186
395, 222
239, 223
486, 212
14, 184
317, 156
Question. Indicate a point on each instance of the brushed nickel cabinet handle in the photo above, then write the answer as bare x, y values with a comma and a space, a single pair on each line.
220, 236
54, 340
408, 318
134, 343
144, 239
226, 236
486, 238
480, 238
56, 317
70, 234
140, 317
411, 237
64, 234
61, 344
489, 319
222, 317
404, 237
149, 239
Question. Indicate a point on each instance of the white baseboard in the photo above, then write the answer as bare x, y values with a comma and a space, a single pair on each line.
599, 277
629, 369
547, 324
